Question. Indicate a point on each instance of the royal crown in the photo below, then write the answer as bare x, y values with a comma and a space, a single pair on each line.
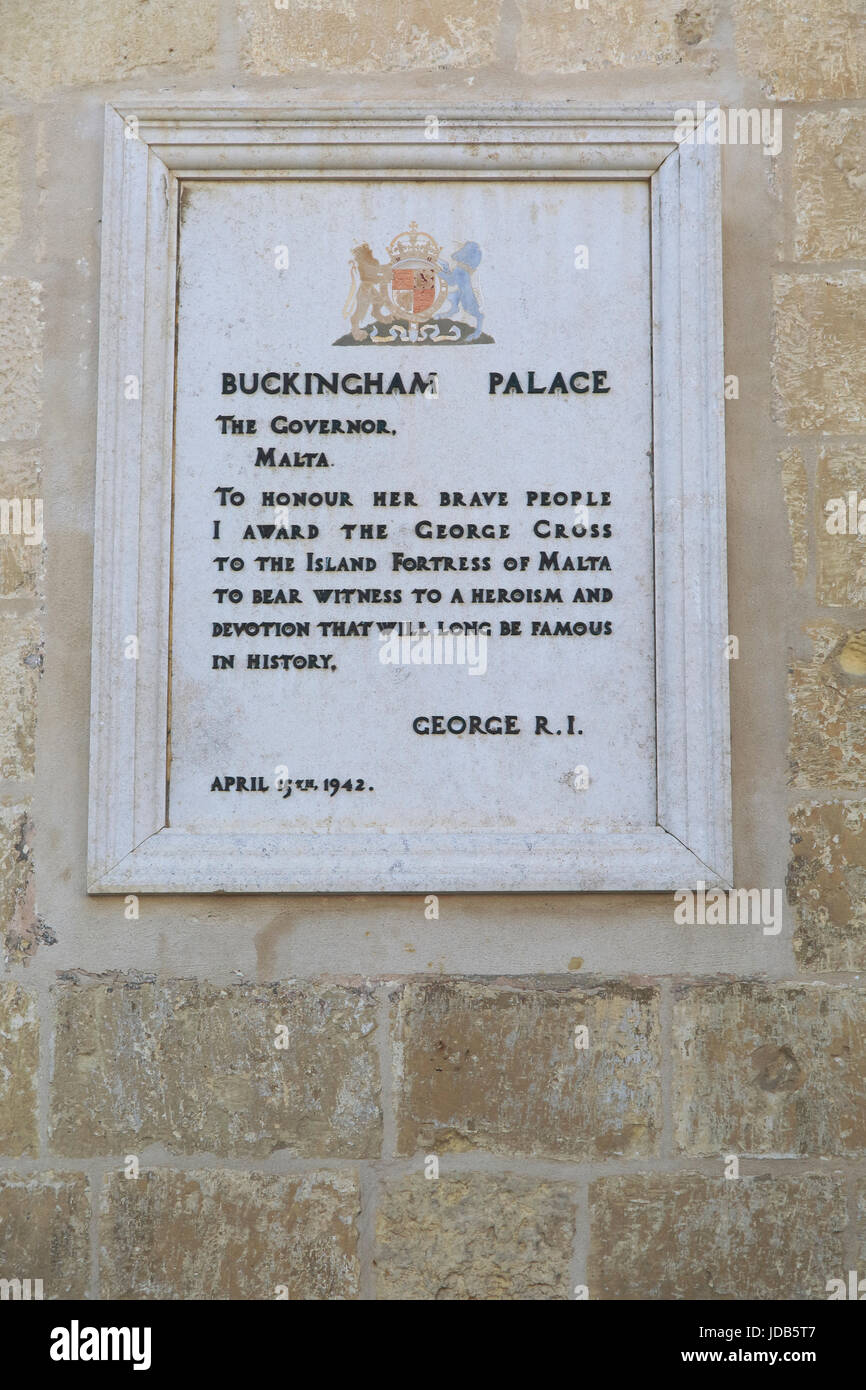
414, 245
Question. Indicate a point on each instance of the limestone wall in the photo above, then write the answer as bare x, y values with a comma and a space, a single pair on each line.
152, 1038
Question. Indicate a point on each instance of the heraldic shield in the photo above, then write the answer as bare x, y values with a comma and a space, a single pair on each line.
399, 301
414, 291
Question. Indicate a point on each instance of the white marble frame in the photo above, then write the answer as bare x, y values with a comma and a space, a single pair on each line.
148, 151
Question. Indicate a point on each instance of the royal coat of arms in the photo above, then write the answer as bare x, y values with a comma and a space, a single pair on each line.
416, 296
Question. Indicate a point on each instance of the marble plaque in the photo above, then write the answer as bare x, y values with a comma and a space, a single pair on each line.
410, 601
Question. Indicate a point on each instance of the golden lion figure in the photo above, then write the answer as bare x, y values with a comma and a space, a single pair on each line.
369, 292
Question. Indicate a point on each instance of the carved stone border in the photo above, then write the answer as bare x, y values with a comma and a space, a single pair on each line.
147, 153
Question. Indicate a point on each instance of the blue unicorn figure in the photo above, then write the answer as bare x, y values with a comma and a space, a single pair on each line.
458, 278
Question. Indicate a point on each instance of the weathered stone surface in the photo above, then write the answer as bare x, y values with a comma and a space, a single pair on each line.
21, 563
474, 1237
19, 1060
802, 50
20, 470
819, 367
796, 489
770, 1069
18, 922
342, 37
21, 568
684, 1236
559, 36
20, 356
195, 1066
841, 545
860, 1236
827, 885
827, 695
45, 1232
20, 664
10, 183
58, 43
830, 185
494, 1066
230, 1235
